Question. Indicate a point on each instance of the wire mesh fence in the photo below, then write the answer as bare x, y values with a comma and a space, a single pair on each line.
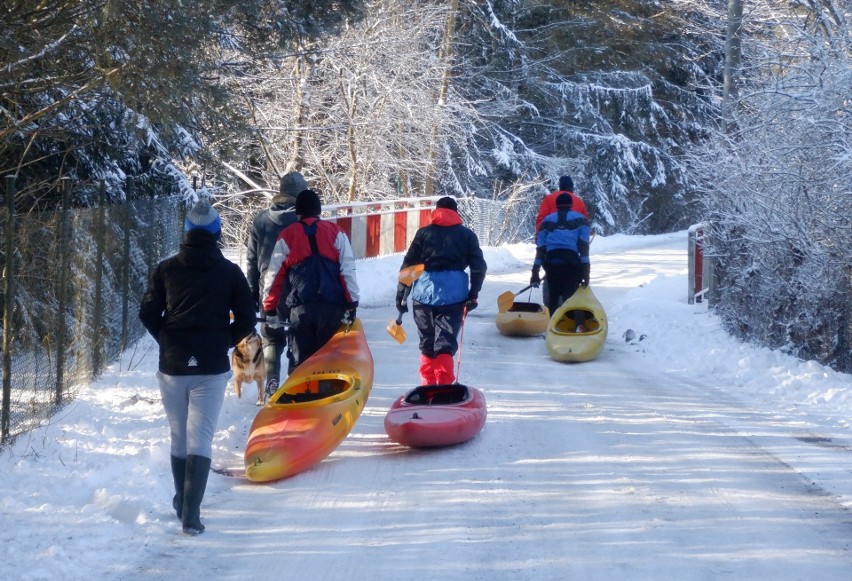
73, 279
497, 222
72, 283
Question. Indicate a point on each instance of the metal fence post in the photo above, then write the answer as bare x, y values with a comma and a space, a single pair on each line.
125, 277
8, 306
62, 295
98, 336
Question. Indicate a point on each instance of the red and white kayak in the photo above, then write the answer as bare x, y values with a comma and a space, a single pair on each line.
436, 415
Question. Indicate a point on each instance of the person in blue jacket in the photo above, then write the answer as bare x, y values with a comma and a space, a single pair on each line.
562, 248
442, 294
187, 309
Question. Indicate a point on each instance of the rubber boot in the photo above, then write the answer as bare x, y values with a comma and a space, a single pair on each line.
272, 358
427, 370
443, 369
179, 476
197, 471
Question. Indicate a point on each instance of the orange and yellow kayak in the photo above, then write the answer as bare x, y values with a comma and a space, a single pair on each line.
314, 410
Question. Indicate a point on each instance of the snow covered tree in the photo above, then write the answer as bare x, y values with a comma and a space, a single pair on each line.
610, 92
778, 186
112, 90
354, 112
505, 96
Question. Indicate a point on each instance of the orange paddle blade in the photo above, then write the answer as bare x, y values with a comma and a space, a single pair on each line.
408, 275
505, 301
396, 331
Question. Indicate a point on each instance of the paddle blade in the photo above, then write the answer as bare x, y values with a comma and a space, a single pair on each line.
505, 301
408, 275
396, 331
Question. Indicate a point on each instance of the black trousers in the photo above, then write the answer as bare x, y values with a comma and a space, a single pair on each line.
311, 326
438, 327
563, 280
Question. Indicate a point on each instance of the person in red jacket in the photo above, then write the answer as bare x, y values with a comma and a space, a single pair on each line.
547, 207
313, 260
265, 228
548, 204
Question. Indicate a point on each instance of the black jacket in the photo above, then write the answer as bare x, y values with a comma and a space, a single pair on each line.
265, 229
188, 304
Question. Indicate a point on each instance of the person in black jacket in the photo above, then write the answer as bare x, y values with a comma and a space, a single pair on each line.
441, 295
265, 229
187, 309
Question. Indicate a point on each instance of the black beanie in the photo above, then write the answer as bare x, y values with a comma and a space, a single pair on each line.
448, 203
566, 184
564, 201
308, 204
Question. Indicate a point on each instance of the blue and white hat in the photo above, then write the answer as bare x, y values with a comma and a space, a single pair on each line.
202, 216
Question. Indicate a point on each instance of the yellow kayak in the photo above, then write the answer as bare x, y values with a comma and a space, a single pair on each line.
314, 410
523, 320
563, 341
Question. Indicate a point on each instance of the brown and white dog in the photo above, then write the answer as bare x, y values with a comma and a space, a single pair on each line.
248, 364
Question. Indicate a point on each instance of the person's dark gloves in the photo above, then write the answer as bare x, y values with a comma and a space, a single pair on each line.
272, 321
535, 279
584, 274
471, 302
401, 297
350, 314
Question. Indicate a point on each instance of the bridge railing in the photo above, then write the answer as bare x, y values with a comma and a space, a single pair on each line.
381, 228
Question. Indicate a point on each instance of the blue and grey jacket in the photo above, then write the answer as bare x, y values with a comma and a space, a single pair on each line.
563, 239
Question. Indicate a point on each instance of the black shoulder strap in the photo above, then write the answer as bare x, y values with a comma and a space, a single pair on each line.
311, 233
562, 220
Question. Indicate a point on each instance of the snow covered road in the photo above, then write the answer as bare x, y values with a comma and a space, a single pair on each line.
661, 459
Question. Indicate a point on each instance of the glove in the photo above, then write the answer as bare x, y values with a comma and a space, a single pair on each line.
471, 303
584, 274
350, 313
535, 279
272, 321
402, 292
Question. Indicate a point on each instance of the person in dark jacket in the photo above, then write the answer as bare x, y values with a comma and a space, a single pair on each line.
442, 294
187, 309
562, 247
265, 229
312, 269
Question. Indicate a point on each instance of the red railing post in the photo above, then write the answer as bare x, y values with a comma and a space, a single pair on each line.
695, 272
374, 231
400, 227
